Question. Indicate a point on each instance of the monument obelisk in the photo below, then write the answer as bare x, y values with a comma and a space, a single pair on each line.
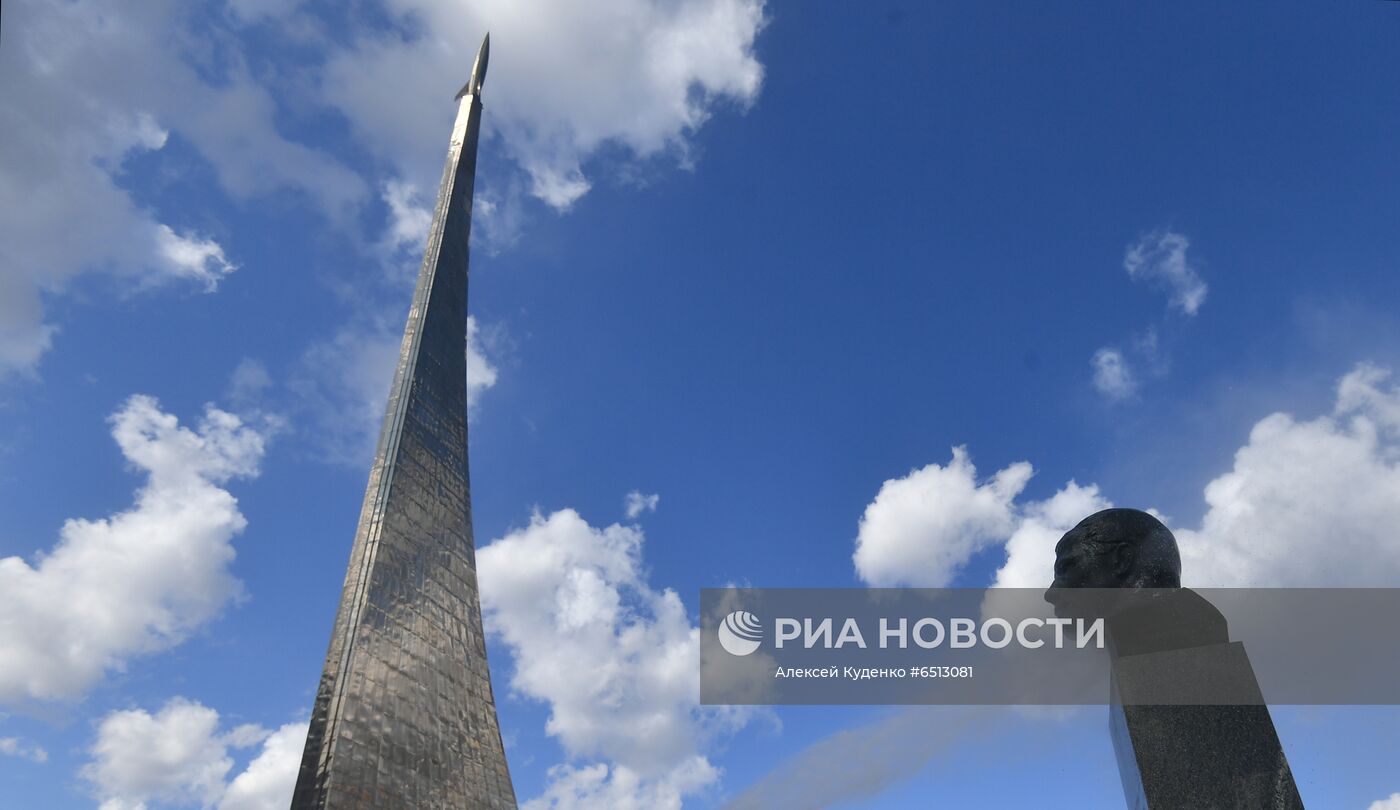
404, 716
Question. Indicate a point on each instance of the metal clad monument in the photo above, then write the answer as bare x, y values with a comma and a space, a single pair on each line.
404, 716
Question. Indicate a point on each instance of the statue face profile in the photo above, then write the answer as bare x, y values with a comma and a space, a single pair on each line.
1115, 548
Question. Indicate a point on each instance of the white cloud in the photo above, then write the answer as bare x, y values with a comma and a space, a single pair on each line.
1160, 258
565, 79
1392, 803
921, 529
637, 503
1307, 500
481, 373
1112, 375
144, 578
15, 747
409, 216
626, 706
1030, 550
267, 782
83, 86
175, 755
1304, 501
1362, 393
598, 787
190, 257
179, 755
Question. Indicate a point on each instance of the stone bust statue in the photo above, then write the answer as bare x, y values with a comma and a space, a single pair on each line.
1118, 548
1124, 564
1188, 720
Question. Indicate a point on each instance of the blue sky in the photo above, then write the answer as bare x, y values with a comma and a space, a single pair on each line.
770, 263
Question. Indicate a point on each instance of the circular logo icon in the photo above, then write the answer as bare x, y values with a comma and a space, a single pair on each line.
740, 633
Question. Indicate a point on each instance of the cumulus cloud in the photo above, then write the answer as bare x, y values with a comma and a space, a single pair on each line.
15, 747
625, 710
1112, 375
921, 529
179, 755
140, 580
267, 782
83, 86
174, 755
1159, 258
1308, 502
565, 80
1392, 803
1030, 550
599, 787
1303, 502
636, 503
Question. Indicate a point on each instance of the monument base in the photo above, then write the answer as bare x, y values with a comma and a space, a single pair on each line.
1171, 754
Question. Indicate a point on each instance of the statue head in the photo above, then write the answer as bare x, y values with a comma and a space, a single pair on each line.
1115, 548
